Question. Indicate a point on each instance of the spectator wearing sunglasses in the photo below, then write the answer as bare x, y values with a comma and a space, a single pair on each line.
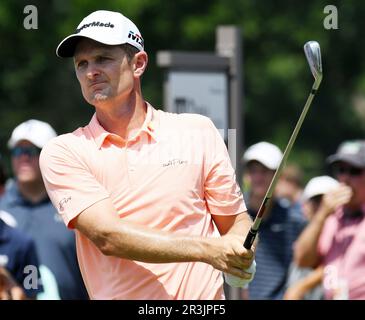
335, 237
26, 201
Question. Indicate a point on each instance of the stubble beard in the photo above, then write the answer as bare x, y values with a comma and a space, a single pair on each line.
99, 97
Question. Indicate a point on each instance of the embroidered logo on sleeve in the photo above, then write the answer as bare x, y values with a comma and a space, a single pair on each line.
63, 202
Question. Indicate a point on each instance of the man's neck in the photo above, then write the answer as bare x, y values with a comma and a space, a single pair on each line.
123, 119
32, 191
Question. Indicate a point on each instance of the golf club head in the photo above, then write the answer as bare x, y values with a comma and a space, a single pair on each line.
312, 51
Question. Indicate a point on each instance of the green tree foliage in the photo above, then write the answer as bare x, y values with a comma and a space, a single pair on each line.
34, 83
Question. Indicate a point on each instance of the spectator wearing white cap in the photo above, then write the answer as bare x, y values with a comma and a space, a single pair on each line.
279, 228
305, 283
26, 201
314, 191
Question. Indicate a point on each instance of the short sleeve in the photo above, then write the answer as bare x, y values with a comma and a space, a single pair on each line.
222, 193
70, 184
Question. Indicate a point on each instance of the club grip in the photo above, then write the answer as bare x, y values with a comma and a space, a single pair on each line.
250, 238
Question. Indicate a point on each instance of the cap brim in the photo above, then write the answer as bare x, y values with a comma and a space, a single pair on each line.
345, 158
264, 162
66, 48
13, 142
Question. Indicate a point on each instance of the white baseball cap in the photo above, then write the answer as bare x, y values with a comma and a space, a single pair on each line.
264, 152
318, 186
34, 131
108, 27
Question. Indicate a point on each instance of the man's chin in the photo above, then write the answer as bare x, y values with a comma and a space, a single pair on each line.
99, 97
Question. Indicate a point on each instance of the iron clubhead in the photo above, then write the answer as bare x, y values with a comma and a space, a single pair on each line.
312, 51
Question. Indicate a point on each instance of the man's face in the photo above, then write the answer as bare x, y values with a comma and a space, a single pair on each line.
354, 177
259, 177
25, 162
104, 72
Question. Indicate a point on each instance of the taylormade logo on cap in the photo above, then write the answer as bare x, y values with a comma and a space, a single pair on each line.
136, 37
107, 27
95, 24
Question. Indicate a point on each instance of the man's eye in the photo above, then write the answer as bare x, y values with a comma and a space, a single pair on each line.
81, 64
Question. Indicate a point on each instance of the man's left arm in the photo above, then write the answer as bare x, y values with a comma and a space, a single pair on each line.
234, 224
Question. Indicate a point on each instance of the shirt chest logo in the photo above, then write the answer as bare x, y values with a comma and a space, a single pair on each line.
174, 162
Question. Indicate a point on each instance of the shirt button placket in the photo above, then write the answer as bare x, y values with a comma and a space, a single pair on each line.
130, 158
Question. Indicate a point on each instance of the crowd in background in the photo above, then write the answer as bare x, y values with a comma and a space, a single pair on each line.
311, 240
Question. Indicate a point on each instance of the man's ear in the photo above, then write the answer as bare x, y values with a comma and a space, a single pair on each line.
140, 61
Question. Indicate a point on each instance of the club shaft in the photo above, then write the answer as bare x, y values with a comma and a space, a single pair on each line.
250, 238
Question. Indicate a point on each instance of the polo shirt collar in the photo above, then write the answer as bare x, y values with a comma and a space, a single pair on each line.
149, 126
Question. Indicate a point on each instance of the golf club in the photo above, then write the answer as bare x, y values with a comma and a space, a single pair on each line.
313, 53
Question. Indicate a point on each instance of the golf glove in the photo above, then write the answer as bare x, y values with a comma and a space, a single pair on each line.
237, 282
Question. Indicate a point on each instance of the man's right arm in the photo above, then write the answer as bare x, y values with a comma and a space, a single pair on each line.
116, 237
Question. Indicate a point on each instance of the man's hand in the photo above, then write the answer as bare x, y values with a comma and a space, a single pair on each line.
237, 282
228, 255
335, 198
9, 290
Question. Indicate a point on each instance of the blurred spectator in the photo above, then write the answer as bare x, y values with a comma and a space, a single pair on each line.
9, 288
335, 236
279, 227
289, 185
2, 177
26, 199
306, 283
19, 269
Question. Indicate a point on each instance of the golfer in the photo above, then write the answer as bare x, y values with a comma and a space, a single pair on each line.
152, 195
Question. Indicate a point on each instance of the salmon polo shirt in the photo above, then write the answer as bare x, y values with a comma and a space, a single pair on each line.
171, 175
